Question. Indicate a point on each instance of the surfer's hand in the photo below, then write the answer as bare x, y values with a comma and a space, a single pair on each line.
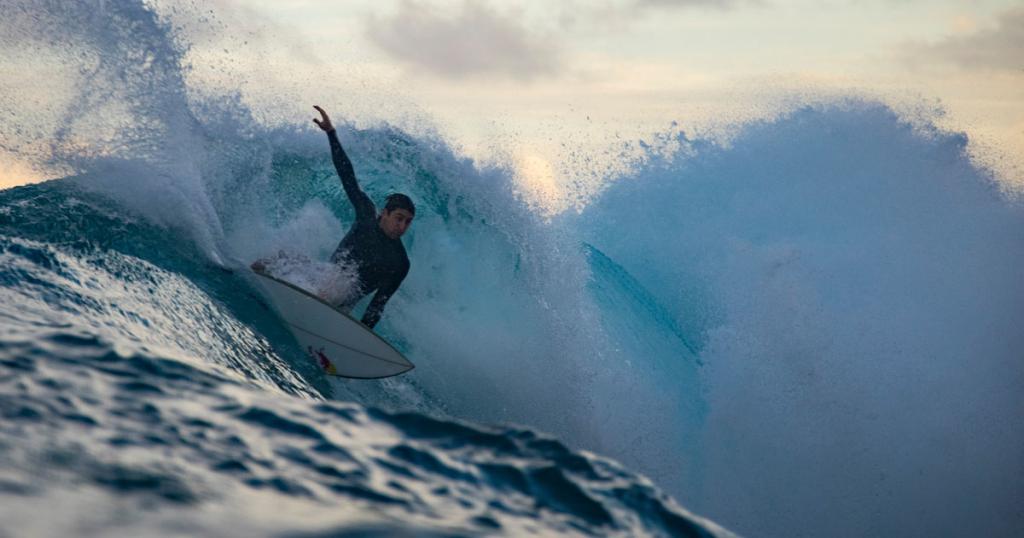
324, 122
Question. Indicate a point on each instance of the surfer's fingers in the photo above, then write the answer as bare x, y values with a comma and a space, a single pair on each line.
324, 122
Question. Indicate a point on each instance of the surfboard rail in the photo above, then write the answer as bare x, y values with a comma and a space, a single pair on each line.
335, 340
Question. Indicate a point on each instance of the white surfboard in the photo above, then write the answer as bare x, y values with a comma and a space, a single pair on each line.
340, 344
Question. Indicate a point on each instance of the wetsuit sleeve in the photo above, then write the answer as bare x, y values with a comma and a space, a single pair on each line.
365, 210
376, 307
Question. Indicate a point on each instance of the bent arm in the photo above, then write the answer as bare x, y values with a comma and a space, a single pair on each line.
365, 210
376, 307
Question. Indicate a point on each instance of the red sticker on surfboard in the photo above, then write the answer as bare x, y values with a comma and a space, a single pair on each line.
322, 360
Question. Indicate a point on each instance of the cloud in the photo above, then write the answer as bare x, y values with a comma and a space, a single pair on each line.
998, 48
720, 4
477, 41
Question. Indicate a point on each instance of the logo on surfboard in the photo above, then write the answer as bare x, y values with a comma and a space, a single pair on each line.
321, 359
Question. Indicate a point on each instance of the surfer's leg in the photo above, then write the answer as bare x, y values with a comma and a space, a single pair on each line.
344, 306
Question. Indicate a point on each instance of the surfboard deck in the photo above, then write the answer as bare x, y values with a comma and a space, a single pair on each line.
339, 343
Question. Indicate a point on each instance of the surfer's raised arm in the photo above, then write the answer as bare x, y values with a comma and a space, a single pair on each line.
365, 210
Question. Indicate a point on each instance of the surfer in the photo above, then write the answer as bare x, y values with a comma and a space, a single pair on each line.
373, 245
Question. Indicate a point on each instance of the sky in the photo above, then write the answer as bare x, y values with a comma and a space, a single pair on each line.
559, 88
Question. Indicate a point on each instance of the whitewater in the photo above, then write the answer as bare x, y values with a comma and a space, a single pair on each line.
813, 327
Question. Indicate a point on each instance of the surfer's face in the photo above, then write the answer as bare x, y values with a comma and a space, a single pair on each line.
394, 223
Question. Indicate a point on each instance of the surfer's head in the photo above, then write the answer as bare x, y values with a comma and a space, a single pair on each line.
397, 215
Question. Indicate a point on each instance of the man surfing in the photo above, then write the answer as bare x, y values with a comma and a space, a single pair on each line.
373, 245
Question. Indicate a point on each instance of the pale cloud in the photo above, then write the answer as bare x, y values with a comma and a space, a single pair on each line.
719, 4
997, 48
475, 41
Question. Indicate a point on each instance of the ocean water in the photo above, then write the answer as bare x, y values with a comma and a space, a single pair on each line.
814, 328
146, 390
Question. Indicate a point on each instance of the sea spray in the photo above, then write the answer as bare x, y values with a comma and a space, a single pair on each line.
854, 280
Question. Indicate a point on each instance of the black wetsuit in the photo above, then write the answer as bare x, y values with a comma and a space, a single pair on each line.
380, 261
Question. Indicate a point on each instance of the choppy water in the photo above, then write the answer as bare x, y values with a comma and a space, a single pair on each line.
814, 329
107, 433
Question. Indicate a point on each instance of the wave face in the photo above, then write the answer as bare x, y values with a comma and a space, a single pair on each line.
813, 330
